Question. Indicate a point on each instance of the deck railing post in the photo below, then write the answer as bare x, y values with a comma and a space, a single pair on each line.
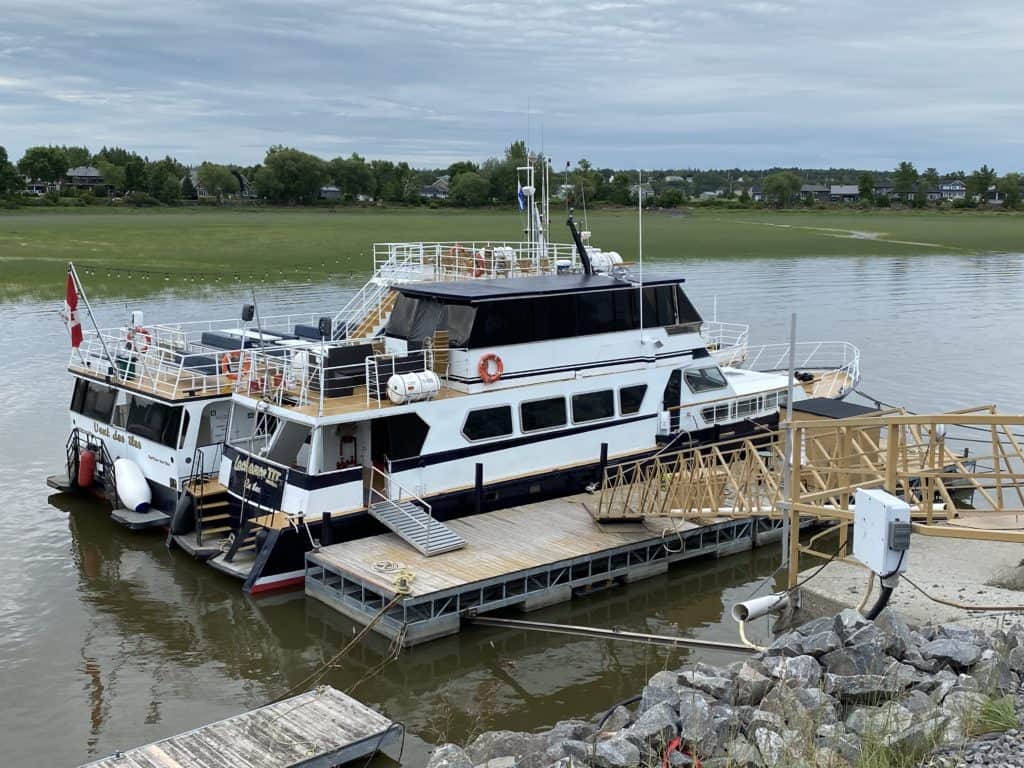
478, 488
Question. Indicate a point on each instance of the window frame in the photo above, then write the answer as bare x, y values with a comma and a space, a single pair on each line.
565, 414
572, 405
716, 367
511, 421
640, 405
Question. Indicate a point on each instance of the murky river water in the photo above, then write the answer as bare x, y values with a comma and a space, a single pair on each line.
108, 640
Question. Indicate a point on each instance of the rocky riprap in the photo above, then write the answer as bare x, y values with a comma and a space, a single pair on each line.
836, 691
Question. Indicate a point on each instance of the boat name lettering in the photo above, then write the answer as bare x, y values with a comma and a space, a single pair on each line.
117, 437
269, 475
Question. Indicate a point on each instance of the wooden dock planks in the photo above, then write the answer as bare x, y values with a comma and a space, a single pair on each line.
497, 543
320, 727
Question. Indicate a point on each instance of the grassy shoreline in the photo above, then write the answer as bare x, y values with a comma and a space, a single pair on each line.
293, 243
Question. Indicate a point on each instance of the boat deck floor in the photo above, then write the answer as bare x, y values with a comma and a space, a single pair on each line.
497, 544
319, 727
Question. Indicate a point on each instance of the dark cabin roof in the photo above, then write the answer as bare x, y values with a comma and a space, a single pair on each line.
473, 291
832, 409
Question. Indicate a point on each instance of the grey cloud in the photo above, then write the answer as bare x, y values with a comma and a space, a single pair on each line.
652, 83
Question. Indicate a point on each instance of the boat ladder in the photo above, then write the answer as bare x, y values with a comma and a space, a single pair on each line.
412, 519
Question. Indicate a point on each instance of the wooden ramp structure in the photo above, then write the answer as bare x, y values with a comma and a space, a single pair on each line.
961, 472
321, 728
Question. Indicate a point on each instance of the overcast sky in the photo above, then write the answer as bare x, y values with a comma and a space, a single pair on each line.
625, 83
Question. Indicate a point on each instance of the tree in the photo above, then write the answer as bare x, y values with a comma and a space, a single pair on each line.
782, 187
291, 176
218, 180
904, 179
618, 191
351, 174
1009, 185
469, 189
931, 178
77, 156
44, 163
10, 179
163, 180
462, 166
866, 186
113, 175
979, 182
188, 189
673, 198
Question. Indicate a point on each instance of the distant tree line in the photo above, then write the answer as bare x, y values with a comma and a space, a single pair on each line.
288, 176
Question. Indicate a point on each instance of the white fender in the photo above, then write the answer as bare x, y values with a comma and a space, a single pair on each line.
132, 488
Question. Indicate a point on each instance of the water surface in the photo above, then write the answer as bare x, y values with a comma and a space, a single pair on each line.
108, 640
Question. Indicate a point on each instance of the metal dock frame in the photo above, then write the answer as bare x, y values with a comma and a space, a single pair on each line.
420, 618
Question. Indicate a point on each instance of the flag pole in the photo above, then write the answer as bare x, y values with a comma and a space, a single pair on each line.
85, 299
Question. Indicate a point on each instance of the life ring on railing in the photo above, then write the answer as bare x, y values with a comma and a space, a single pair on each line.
488, 376
227, 359
479, 264
135, 333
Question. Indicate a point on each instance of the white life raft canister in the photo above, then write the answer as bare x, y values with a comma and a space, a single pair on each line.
413, 387
132, 488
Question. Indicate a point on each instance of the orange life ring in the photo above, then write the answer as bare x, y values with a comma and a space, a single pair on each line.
479, 264
226, 361
139, 346
487, 376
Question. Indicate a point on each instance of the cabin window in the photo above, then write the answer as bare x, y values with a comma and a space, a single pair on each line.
93, 400
716, 413
400, 322
704, 379
185, 419
631, 398
745, 408
460, 323
591, 406
542, 414
488, 422
154, 421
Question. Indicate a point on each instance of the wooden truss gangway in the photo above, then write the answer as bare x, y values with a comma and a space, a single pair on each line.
961, 472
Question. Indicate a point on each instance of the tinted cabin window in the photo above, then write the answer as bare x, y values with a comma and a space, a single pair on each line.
659, 306
488, 422
154, 421
591, 406
704, 379
595, 313
631, 398
687, 312
542, 414
398, 437
400, 322
94, 401
460, 323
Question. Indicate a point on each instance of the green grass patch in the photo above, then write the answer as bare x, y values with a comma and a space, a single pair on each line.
997, 714
301, 244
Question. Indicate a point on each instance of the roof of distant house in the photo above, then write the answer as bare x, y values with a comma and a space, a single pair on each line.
845, 189
813, 188
84, 170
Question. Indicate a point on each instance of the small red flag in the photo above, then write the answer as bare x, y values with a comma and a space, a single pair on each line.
71, 312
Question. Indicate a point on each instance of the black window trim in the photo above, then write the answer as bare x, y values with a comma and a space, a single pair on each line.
640, 407
572, 409
522, 427
512, 419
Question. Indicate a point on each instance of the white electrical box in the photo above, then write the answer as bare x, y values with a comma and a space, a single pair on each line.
881, 531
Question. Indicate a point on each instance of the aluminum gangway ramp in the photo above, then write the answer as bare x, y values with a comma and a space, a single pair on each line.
416, 526
322, 727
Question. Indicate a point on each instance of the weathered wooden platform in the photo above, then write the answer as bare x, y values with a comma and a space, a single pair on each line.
320, 728
532, 556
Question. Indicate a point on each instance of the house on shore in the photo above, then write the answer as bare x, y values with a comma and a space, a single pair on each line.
436, 190
844, 193
645, 191
329, 192
84, 177
953, 189
819, 193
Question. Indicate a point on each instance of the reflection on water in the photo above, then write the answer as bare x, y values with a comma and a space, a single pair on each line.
108, 639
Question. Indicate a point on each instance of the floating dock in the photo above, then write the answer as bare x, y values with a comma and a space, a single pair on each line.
321, 728
529, 556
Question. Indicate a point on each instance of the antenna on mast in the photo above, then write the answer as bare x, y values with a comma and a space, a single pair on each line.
640, 239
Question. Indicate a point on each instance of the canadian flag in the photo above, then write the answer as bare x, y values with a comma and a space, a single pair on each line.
71, 312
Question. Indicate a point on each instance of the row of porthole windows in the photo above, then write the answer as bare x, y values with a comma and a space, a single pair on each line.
743, 408
549, 413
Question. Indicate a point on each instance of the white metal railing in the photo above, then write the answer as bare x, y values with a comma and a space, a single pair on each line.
837, 362
300, 376
454, 260
170, 359
391, 486
727, 342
